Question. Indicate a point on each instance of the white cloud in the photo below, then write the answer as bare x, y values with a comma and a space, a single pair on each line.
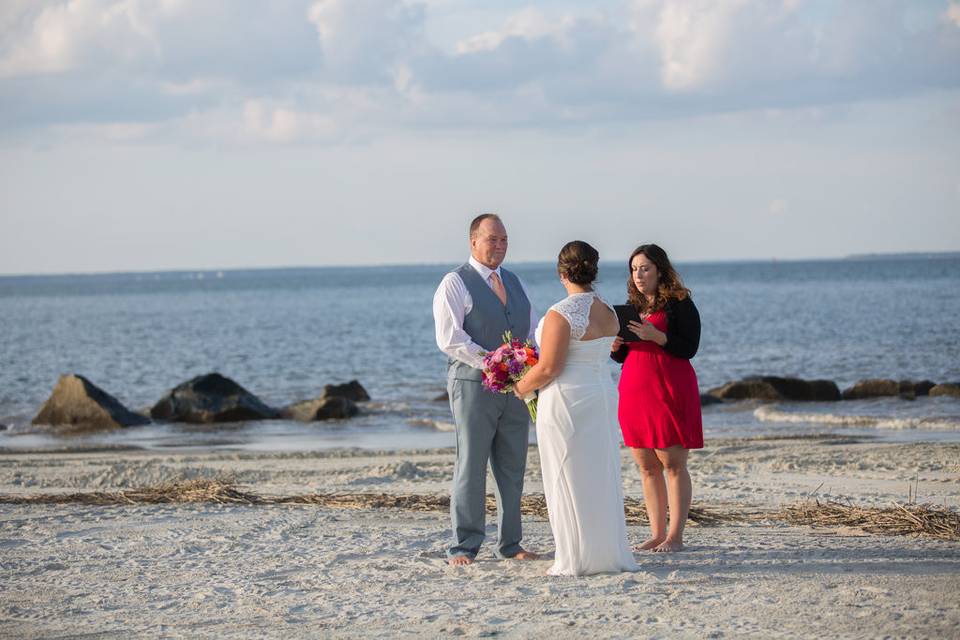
283, 124
256, 122
64, 36
171, 39
777, 207
366, 40
693, 38
156, 61
953, 13
529, 24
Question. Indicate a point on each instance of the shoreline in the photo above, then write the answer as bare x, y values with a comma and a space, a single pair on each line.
291, 437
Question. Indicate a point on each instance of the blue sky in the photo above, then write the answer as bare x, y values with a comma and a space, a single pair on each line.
169, 134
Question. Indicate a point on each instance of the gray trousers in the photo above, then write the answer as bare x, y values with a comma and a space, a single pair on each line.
492, 427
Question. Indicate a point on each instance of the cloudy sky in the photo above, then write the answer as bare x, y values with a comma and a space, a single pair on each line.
176, 134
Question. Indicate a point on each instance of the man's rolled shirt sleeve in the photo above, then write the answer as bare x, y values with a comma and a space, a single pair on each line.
449, 309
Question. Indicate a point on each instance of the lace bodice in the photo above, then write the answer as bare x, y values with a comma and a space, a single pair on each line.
575, 308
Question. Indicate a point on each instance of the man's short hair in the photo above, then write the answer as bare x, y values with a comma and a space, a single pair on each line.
475, 225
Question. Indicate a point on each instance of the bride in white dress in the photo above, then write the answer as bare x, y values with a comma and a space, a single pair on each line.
577, 430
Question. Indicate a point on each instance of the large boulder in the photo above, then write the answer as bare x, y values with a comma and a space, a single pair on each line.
352, 390
706, 400
211, 398
803, 390
946, 389
324, 408
774, 388
80, 405
923, 387
878, 388
751, 389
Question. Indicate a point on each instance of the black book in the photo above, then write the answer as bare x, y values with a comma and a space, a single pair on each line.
626, 313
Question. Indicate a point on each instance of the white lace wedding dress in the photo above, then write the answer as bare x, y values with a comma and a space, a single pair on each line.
579, 441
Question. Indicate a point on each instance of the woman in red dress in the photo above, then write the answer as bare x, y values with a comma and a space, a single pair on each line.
659, 396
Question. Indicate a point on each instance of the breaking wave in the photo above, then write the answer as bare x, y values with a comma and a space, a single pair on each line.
771, 413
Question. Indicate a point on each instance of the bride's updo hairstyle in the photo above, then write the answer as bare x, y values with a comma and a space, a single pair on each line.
578, 262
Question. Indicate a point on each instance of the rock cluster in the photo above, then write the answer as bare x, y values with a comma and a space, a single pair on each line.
76, 404
774, 389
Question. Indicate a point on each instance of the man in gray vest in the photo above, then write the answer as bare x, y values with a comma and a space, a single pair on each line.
473, 307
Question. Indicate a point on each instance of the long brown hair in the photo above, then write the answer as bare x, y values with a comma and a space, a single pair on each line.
670, 286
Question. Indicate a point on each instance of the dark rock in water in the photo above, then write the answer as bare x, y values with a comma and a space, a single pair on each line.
83, 406
745, 390
906, 390
324, 408
211, 398
706, 400
775, 388
336, 402
301, 411
803, 390
352, 390
923, 387
946, 389
336, 408
443, 397
3, 427
873, 388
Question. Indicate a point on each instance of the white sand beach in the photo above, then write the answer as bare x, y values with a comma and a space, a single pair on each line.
209, 570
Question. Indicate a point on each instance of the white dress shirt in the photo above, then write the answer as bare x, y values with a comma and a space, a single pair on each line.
451, 303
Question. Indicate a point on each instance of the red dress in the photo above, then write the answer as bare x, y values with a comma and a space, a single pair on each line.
659, 396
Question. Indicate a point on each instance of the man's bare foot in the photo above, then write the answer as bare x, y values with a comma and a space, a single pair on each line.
649, 544
460, 561
669, 546
525, 555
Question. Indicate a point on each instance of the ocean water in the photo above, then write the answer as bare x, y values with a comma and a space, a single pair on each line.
284, 333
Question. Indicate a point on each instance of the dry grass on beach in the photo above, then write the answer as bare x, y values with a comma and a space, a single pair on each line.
220, 491
911, 519
900, 519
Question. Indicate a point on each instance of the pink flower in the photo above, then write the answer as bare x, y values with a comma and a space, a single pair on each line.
508, 363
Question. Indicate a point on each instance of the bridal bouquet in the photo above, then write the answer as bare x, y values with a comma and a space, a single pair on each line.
507, 364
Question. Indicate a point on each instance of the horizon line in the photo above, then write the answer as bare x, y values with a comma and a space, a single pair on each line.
853, 256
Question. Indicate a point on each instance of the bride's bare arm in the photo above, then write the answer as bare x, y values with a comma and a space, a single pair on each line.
554, 341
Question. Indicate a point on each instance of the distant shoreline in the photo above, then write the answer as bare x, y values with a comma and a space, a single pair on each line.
214, 272
916, 255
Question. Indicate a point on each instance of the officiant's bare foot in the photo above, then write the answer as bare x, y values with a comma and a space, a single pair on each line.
460, 561
525, 555
669, 546
649, 544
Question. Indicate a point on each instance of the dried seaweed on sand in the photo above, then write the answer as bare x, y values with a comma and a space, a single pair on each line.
910, 519
219, 491
900, 519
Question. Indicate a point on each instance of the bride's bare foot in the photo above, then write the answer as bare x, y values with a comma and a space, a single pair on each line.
650, 543
460, 561
669, 546
525, 555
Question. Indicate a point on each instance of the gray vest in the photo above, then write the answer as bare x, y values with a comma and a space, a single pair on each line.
488, 320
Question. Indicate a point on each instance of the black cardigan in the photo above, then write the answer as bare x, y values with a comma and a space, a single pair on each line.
683, 331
